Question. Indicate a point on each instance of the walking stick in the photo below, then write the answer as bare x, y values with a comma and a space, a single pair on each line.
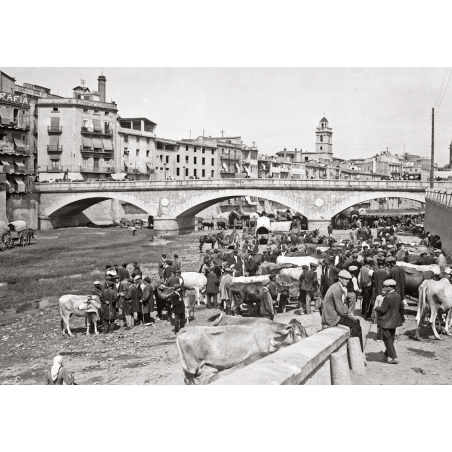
142, 314
367, 336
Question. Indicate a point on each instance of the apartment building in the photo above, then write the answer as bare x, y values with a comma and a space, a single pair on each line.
77, 136
137, 148
197, 158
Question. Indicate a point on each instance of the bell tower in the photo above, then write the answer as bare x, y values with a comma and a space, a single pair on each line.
324, 138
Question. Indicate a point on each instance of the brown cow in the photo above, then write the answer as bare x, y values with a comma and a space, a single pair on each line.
434, 296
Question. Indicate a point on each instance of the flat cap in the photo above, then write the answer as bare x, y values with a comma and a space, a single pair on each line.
353, 268
344, 274
437, 251
389, 282
96, 283
313, 265
390, 259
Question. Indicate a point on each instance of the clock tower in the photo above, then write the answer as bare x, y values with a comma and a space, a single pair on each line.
324, 138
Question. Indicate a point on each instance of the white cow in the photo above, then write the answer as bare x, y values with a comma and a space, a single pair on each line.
195, 281
91, 307
249, 279
71, 304
295, 273
296, 260
424, 268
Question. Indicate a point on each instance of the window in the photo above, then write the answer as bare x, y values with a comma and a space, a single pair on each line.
203, 150
137, 153
212, 162
195, 172
194, 160
167, 159
106, 113
55, 163
203, 161
147, 153
24, 112
161, 158
186, 148
321, 148
85, 110
55, 109
126, 152
96, 112
186, 171
126, 138
213, 151
194, 148
212, 173
306, 159
148, 140
186, 159
178, 158
138, 139
203, 173
177, 172
321, 137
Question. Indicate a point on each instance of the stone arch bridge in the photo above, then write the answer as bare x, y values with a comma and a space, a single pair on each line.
174, 204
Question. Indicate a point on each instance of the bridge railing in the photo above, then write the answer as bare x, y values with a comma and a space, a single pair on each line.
323, 184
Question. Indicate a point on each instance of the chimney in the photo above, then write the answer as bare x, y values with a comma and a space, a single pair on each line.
101, 87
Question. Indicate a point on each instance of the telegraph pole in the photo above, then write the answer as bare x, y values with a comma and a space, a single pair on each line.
432, 165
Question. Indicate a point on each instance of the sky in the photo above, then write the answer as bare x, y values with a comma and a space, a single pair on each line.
369, 109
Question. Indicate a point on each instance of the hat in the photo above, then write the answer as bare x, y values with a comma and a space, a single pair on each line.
353, 268
235, 252
228, 269
390, 259
437, 251
313, 265
365, 246
390, 246
147, 279
272, 276
215, 251
305, 267
368, 260
108, 266
344, 274
96, 283
326, 260
389, 282
398, 244
176, 255
355, 255
164, 255
137, 277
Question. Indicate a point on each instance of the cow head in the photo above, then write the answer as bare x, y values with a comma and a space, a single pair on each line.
91, 301
290, 334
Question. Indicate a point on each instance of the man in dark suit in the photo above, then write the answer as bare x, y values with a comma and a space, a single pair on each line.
123, 273
329, 276
310, 285
237, 262
251, 265
390, 316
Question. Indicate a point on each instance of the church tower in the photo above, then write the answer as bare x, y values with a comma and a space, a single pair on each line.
324, 138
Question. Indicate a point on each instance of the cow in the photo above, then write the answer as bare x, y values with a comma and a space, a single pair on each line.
71, 304
270, 268
162, 297
91, 307
195, 281
298, 261
414, 278
434, 296
223, 347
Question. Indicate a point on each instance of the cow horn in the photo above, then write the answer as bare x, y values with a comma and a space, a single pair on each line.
275, 344
218, 320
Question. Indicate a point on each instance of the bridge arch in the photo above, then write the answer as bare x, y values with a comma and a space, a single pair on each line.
360, 197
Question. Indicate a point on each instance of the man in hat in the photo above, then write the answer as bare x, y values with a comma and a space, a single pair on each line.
355, 262
398, 275
207, 258
136, 270
237, 262
212, 290
132, 305
147, 300
162, 266
365, 284
302, 294
224, 295
216, 258
172, 280
401, 253
97, 290
440, 259
176, 263
390, 316
329, 276
168, 270
379, 275
310, 285
352, 289
250, 265
108, 309
235, 273
334, 310
122, 272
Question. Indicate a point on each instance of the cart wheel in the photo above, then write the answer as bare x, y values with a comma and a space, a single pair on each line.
9, 243
22, 241
2, 246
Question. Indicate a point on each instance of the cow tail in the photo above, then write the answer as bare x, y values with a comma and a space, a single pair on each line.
421, 303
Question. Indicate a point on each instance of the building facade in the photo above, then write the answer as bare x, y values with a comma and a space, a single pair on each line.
77, 136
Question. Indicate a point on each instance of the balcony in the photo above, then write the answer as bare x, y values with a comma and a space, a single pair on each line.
52, 169
12, 149
54, 149
93, 131
54, 129
15, 169
230, 157
95, 152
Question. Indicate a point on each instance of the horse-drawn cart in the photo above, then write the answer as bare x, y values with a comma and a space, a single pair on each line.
15, 233
6, 241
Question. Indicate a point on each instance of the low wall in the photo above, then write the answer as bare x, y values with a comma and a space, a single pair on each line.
438, 216
307, 362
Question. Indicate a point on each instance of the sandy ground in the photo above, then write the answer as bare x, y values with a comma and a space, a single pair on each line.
148, 355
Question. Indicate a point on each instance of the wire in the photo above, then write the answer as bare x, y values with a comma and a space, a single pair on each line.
438, 95
450, 73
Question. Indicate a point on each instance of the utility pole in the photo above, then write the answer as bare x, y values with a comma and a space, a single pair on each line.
432, 164
450, 155
222, 133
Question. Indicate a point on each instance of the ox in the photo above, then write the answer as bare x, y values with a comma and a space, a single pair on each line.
414, 278
223, 347
269, 268
298, 261
73, 304
195, 281
434, 296
162, 297
91, 307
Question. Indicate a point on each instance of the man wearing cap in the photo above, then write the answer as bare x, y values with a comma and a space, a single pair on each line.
398, 275
401, 253
176, 263
355, 262
250, 265
390, 316
168, 270
224, 295
334, 310
108, 309
329, 276
352, 289
97, 290
136, 270
162, 266
122, 272
147, 300
132, 303
302, 294
440, 259
310, 285
212, 290
172, 280
379, 275
365, 284
237, 262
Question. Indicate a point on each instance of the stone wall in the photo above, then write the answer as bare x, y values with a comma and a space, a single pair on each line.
22, 206
438, 217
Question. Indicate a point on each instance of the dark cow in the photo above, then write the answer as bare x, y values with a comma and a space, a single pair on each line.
435, 297
413, 259
223, 347
270, 268
414, 278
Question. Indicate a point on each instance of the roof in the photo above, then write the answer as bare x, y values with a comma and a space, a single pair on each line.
324, 119
137, 119
166, 141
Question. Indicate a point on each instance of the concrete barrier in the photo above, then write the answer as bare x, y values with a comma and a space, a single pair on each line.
307, 362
